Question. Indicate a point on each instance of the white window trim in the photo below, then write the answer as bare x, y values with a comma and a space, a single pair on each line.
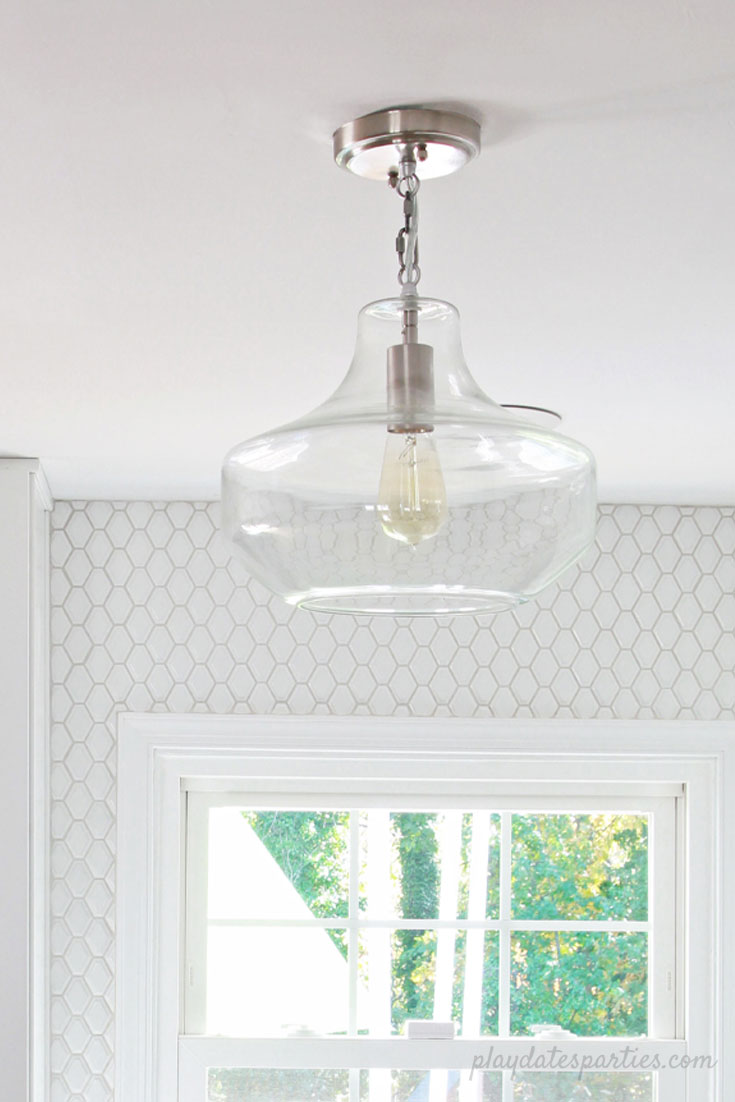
157, 754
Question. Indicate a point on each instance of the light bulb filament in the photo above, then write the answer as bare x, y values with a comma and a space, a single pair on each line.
412, 502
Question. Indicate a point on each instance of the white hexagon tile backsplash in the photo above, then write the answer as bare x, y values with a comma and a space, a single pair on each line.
149, 613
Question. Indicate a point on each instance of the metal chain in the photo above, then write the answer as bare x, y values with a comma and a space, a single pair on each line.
407, 183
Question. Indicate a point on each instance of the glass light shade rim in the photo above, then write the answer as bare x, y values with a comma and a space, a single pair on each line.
447, 601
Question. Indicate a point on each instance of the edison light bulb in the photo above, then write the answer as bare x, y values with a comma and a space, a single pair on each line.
412, 499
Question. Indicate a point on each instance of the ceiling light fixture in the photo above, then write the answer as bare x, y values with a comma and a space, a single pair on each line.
409, 492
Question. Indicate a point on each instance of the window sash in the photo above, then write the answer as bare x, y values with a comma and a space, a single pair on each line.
660, 927
198, 1054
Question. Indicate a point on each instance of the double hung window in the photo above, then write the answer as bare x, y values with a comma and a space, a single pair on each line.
397, 912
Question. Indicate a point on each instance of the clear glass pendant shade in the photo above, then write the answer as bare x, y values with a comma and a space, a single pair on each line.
408, 491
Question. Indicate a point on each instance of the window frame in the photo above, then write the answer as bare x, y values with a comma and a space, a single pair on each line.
159, 755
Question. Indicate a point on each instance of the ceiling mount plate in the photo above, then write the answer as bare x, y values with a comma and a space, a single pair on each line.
371, 145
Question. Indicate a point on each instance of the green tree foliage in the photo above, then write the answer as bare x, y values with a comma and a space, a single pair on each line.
415, 950
594, 984
580, 866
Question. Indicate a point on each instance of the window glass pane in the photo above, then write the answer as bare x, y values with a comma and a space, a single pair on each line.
265, 981
567, 1087
491, 966
593, 984
278, 864
476, 1003
330, 1085
397, 972
429, 865
445, 975
580, 867
277, 1085
429, 1086
492, 907
414, 976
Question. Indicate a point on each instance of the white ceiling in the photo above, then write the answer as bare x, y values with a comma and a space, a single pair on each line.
183, 263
